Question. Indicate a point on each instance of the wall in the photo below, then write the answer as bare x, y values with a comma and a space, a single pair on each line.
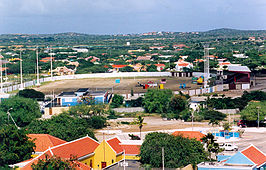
69, 101
88, 160
103, 153
55, 110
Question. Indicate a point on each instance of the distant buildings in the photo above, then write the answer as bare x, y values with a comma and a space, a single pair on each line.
240, 56
181, 65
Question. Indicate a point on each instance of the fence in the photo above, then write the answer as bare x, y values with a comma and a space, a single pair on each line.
83, 76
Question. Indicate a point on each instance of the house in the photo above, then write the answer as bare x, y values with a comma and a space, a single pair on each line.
117, 67
47, 59
143, 58
238, 77
81, 50
250, 158
97, 96
60, 71
75, 63
157, 47
189, 134
160, 67
92, 59
67, 99
212, 57
176, 46
181, 64
252, 38
240, 56
81, 91
82, 148
133, 51
165, 56
44, 142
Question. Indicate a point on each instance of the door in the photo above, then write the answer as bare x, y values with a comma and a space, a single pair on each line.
103, 165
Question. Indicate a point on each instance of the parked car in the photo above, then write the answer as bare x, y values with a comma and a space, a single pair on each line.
229, 147
241, 123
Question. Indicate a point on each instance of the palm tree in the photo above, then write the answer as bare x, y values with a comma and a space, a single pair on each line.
140, 122
211, 145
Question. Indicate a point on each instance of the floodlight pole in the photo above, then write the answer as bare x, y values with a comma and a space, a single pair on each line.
21, 77
1, 73
37, 67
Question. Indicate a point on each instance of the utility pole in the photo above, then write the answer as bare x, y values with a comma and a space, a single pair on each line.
37, 68
1, 57
51, 59
258, 116
163, 157
21, 78
206, 67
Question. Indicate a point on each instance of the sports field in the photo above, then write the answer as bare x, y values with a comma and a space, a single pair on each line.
125, 85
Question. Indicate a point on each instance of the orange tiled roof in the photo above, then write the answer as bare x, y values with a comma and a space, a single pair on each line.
114, 143
80, 147
131, 149
189, 134
44, 141
224, 63
183, 64
255, 155
160, 65
119, 66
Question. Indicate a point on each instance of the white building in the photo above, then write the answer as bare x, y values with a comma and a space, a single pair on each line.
81, 50
181, 64
240, 56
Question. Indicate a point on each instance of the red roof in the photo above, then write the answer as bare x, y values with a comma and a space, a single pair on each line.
114, 143
189, 134
183, 64
119, 66
255, 155
44, 141
160, 65
131, 149
79, 148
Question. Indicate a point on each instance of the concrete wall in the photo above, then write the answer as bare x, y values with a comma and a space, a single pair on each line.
54, 110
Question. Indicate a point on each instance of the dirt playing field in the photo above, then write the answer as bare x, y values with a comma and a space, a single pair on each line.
123, 87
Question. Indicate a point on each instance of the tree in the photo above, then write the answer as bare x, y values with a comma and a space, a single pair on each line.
178, 151
67, 127
178, 103
214, 117
250, 113
152, 68
211, 145
31, 93
23, 110
157, 101
15, 145
54, 163
140, 122
117, 101
127, 69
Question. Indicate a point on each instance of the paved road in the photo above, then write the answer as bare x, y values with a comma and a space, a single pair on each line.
257, 139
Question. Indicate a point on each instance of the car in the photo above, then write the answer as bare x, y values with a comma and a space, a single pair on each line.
229, 147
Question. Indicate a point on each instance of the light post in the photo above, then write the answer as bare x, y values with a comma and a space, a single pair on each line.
258, 107
1, 57
21, 78
37, 67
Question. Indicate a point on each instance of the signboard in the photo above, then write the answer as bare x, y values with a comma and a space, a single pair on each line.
117, 80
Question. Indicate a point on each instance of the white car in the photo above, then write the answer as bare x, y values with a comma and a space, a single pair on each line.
229, 147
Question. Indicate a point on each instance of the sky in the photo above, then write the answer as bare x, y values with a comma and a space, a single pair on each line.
129, 16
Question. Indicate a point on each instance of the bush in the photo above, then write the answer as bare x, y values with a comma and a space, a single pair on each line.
117, 101
32, 94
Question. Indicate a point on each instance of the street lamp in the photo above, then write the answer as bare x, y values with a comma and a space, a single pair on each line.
9, 115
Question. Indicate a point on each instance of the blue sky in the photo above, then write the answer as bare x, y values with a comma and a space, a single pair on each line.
129, 16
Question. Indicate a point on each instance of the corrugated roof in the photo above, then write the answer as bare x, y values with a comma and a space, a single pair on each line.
238, 68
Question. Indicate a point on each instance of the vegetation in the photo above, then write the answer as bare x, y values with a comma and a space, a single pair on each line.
55, 163
178, 151
65, 126
32, 94
250, 113
211, 145
140, 122
117, 101
23, 110
15, 145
